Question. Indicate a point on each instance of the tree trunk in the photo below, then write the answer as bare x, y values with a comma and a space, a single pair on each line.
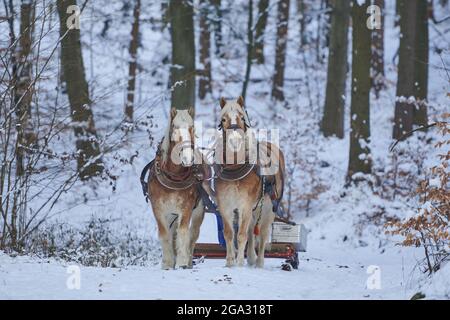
422, 59
378, 52
89, 162
280, 53
205, 55
397, 13
134, 44
261, 22
22, 102
249, 49
23, 92
360, 158
183, 54
218, 26
323, 30
404, 108
333, 118
301, 12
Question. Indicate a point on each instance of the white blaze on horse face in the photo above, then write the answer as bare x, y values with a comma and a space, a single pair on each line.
235, 139
182, 125
235, 113
234, 130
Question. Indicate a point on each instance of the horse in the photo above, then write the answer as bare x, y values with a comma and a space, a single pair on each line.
244, 201
269, 205
173, 189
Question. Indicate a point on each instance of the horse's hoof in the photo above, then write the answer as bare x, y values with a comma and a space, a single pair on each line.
260, 264
166, 267
230, 264
184, 267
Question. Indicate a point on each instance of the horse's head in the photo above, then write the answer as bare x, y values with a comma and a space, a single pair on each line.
181, 136
234, 122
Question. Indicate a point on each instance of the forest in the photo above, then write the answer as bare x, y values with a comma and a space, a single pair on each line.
357, 89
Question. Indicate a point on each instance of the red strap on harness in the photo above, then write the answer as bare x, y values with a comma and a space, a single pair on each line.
256, 230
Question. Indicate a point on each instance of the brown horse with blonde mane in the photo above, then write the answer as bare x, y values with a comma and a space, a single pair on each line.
173, 189
248, 187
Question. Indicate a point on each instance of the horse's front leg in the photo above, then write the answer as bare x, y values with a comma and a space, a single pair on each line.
267, 217
251, 253
264, 235
228, 233
197, 218
246, 216
183, 240
166, 239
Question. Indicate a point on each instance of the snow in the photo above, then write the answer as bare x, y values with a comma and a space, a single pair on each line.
438, 286
325, 273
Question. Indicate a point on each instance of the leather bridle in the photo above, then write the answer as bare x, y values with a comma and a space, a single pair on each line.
239, 173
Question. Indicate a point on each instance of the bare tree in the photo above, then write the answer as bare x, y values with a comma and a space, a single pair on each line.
261, 22
378, 52
280, 51
302, 8
250, 43
132, 67
183, 53
23, 90
404, 107
421, 63
360, 157
217, 23
205, 50
88, 149
333, 117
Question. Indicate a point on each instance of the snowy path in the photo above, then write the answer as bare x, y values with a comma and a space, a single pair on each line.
330, 274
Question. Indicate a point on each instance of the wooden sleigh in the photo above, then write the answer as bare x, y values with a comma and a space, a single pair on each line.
287, 239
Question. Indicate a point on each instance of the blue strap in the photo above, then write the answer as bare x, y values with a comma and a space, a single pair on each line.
220, 230
212, 207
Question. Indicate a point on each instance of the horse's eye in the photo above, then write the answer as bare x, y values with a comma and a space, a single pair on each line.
223, 120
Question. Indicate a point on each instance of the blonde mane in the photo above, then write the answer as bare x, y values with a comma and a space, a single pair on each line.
234, 107
182, 119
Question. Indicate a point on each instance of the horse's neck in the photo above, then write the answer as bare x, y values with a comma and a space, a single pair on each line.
170, 166
175, 168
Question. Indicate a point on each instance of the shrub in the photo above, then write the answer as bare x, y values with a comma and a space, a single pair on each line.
430, 227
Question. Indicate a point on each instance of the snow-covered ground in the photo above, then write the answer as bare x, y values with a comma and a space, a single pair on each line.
324, 273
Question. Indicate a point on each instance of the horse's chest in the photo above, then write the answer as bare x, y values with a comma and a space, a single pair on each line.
170, 199
245, 190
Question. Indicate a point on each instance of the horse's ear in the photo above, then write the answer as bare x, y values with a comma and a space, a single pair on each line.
173, 113
240, 101
223, 102
191, 112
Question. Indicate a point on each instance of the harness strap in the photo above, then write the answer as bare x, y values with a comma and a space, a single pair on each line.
144, 183
211, 207
233, 175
